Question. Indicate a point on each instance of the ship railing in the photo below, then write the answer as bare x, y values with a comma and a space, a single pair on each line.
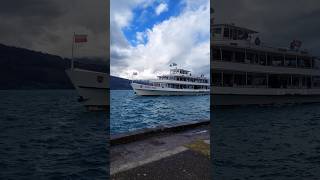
252, 44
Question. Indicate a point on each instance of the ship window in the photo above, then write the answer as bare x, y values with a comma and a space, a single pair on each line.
250, 57
239, 79
263, 59
274, 81
279, 81
216, 54
227, 79
227, 55
316, 81
257, 79
256, 58
308, 82
290, 61
296, 82
285, 81
300, 62
277, 59
217, 30
239, 56
240, 34
306, 62
269, 63
226, 33
233, 33
304, 81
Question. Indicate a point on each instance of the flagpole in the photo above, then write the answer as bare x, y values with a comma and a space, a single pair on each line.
72, 63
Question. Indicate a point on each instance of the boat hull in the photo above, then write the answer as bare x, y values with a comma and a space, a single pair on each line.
254, 96
145, 90
92, 88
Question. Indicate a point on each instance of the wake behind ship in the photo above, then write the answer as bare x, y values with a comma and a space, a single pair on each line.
247, 71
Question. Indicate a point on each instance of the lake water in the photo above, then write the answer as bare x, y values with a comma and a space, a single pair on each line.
47, 134
279, 142
129, 112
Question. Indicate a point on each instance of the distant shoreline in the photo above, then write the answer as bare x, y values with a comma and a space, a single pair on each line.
34, 89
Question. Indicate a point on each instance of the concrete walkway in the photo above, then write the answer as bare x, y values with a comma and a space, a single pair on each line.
164, 154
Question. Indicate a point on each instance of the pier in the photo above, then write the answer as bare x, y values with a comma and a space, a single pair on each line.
172, 152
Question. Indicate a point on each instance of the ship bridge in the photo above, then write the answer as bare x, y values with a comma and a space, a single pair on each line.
231, 32
179, 71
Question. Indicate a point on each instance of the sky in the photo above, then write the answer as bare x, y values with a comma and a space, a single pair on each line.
146, 36
278, 21
48, 26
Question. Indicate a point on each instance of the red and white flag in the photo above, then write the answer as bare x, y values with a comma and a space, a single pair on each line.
80, 38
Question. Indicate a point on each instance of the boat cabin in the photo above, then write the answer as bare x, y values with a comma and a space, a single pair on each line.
232, 32
180, 71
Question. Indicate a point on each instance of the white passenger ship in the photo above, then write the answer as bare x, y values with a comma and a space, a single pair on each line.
247, 71
178, 82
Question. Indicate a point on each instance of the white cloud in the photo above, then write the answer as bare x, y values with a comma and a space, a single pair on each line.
161, 8
121, 10
183, 39
140, 36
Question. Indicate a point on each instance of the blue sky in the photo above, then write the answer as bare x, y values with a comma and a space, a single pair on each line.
148, 35
146, 18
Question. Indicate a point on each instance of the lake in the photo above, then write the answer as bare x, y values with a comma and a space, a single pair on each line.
129, 112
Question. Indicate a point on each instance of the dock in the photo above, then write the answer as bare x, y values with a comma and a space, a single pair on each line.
181, 151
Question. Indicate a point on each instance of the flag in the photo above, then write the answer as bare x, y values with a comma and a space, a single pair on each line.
80, 38
297, 43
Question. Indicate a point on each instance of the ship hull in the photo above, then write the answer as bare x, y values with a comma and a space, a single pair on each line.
222, 97
145, 90
92, 88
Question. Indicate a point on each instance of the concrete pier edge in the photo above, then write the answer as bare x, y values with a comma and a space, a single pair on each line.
125, 138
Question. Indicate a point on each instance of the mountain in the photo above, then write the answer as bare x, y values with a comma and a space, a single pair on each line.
26, 69
117, 83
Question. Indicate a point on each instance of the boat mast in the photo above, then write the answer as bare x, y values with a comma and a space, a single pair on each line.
133, 74
72, 61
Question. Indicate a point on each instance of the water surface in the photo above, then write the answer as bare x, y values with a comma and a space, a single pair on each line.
47, 134
279, 142
129, 112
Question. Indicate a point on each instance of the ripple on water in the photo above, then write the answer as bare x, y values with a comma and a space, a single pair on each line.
49, 135
266, 142
130, 112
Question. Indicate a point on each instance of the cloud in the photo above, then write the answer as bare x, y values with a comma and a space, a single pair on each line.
141, 37
183, 39
161, 8
48, 25
279, 22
